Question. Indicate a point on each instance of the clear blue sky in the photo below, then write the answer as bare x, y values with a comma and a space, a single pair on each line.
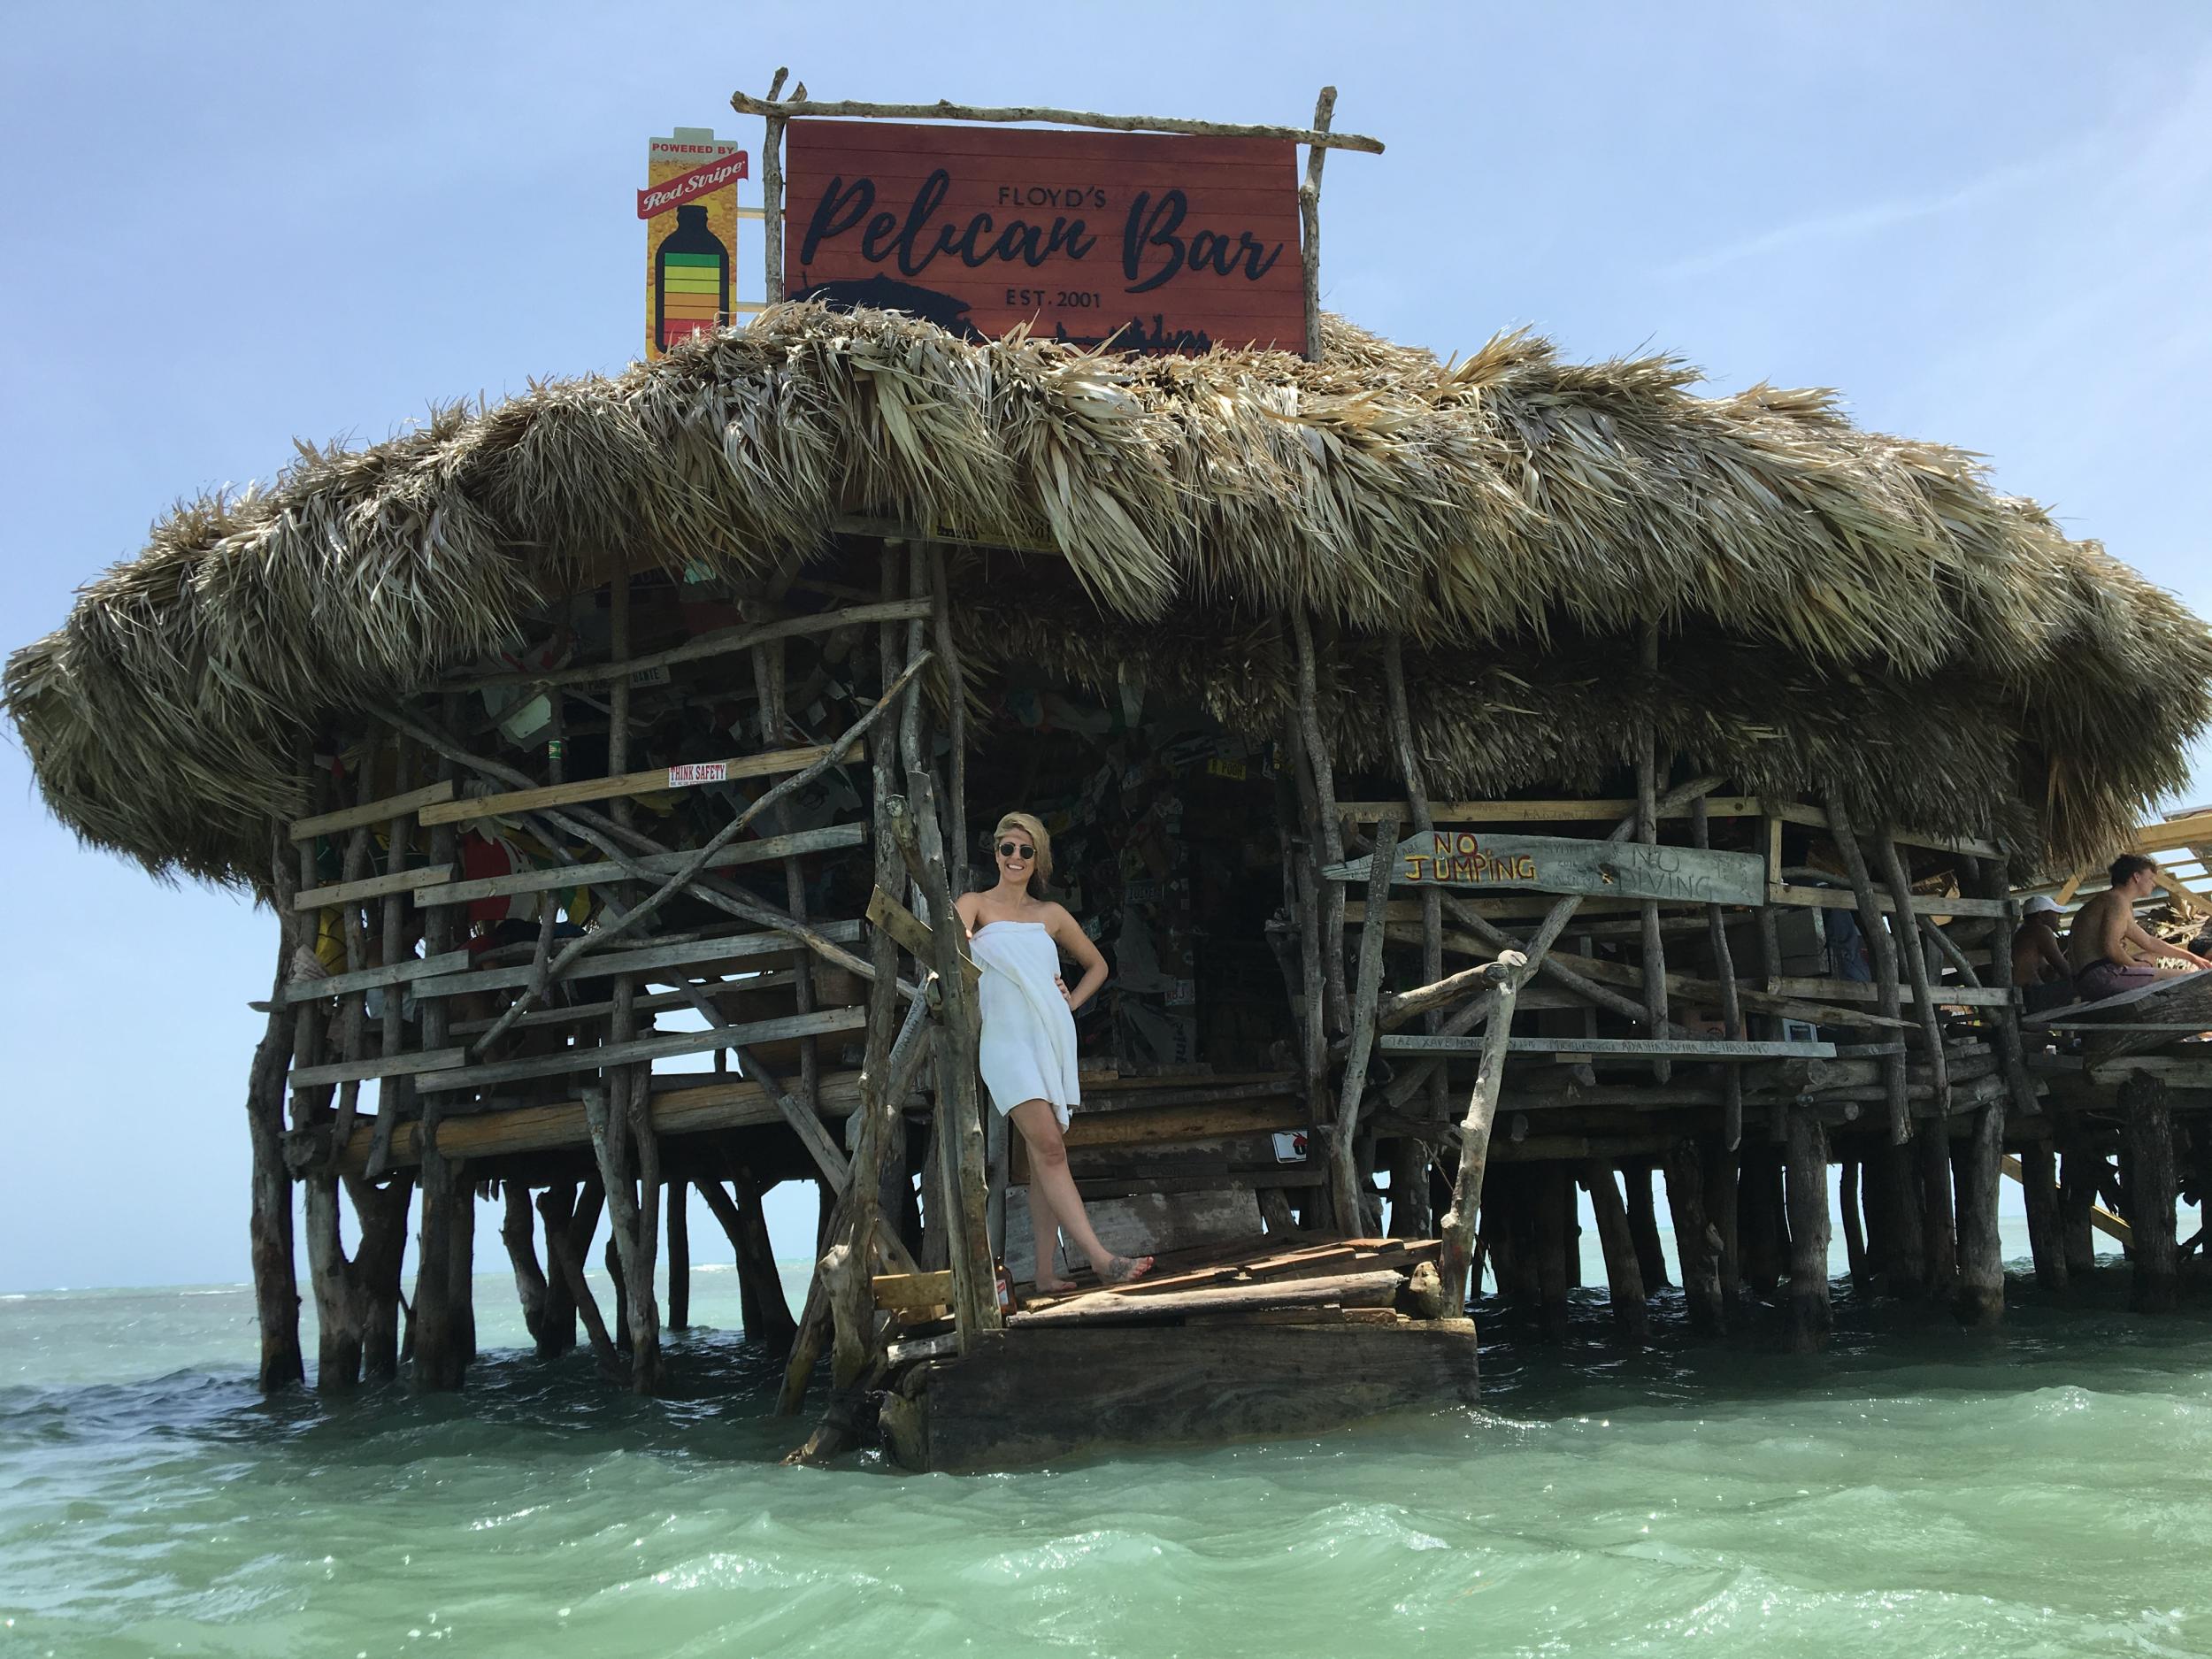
1989, 224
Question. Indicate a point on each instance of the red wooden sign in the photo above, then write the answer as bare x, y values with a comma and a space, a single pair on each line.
1157, 242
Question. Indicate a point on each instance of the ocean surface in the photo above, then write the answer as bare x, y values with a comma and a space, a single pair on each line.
1915, 1491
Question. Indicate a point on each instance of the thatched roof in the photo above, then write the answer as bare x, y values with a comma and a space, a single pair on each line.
1836, 604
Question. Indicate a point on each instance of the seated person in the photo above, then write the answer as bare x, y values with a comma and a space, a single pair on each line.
2109, 951
2038, 964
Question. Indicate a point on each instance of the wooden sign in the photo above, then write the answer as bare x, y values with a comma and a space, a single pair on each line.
1555, 863
1156, 241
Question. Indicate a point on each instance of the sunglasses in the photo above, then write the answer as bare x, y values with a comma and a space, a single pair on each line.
1014, 849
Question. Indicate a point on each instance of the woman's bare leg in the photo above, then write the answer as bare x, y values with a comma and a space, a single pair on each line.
1044, 1227
1048, 1172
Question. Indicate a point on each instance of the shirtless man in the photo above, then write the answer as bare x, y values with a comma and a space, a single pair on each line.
2109, 951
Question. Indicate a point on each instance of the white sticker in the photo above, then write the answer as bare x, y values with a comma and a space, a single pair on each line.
699, 772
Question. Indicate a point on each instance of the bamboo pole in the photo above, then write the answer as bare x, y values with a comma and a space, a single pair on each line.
1457, 1231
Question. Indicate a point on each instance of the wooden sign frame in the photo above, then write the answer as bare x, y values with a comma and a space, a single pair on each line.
1564, 863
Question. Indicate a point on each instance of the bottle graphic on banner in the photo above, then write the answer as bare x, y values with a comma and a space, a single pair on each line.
691, 279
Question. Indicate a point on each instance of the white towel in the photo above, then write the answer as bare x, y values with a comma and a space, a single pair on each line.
1028, 1048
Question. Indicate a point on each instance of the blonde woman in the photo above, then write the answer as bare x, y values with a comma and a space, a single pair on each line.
1028, 1050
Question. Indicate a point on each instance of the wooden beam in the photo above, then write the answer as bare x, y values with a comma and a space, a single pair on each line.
1610, 1047
364, 978
596, 1057
377, 1065
913, 933
732, 947
1564, 864
371, 812
913, 1293
373, 887
1816, 817
1842, 899
552, 878
1551, 812
624, 784
943, 110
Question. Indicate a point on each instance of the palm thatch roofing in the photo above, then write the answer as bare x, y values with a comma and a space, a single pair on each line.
1839, 609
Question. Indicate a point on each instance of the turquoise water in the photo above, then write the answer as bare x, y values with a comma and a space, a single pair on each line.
1913, 1492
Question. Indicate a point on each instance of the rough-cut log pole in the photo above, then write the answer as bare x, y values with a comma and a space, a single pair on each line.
974, 1281
762, 1305
1898, 878
383, 1213
395, 1095
1309, 215
1696, 1242
1410, 1170
678, 1222
439, 1362
568, 1261
1552, 1193
2004, 1021
1979, 1163
2148, 1185
1759, 1222
775, 732
1882, 951
1624, 1278
2047, 1240
1731, 1001
770, 187
1458, 1229
1643, 1223
338, 1332
1346, 1187
1327, 831
1313, 1023
1769, 925
1900, 1248
518, 1232
745, 104
461, 1289
2079, 1174
1720, 1193
275, 1274
947, 648
1853, 1222
1655, 949
1810, 1317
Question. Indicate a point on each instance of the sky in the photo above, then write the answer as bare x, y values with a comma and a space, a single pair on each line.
1989, 225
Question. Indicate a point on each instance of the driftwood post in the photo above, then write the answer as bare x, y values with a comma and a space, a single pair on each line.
1810, 1317
1853, 1218
762, 1306
439, 1362
679, 1224
772, 197
1326, 830
518, 1231
1346, 1187
2038, 1186
1905, 931
1458, 1229
1306, 892
1643, 1222
1977, 1160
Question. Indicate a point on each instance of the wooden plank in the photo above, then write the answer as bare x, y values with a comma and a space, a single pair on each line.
650, 782
579, 1013
913, 933
1374, 1288
553, 878
2182, 1071
1816, 817
2105, 1222
1842, 899
367, 978
1555, 811
913, 1293
1561, 863
373, 887
731, 947
1824, 990
1182, 1123
2169, 834
821, 1023
713, 1105
1603, 1048
371, 811
384, 1065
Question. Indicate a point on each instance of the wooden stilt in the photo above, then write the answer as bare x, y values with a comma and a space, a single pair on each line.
1731, 999
1898, 878
1938, 1225
762, 1303
1763, 1255
1722, 1207
1624, 1278
2079, 1168
557, 1333
1902, 1252
1853, 1222
2148, 1186
518, 1232
611, 1261
1346, 1187
382, 1214
567, 1253
1977, 1161
1409, 1204
275, 1273
1554, 1199
1696, 1241
462, 1295
1325, 831
1810, 1315
447, 1205
1655, 950
1643, 1221
1458, 1230
2046, 1240
679, 1224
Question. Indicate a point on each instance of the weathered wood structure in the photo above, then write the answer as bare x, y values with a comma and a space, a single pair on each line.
1489, 780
